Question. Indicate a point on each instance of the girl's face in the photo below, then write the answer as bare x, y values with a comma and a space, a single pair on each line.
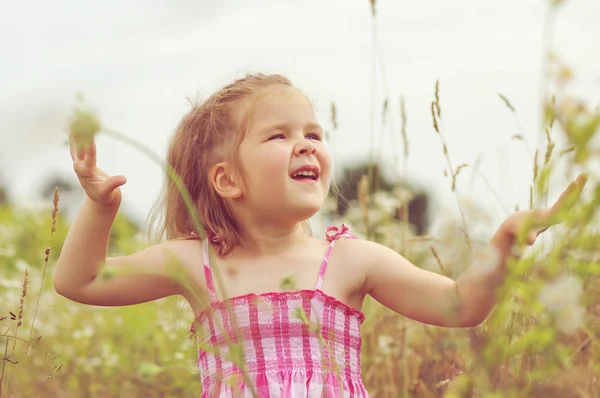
285, 164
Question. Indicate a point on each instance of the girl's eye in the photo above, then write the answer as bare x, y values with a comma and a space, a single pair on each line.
314, 136
277, 137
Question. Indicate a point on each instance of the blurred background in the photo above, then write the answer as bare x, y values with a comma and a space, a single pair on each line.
137, 62
496, 66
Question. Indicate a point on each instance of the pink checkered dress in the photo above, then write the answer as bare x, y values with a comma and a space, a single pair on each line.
289, 344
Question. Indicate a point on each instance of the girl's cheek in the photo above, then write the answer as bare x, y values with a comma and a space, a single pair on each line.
273, 164
325, 160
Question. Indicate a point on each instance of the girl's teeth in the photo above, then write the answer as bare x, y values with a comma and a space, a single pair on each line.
305, 173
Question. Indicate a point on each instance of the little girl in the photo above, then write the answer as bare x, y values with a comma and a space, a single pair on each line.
254, 162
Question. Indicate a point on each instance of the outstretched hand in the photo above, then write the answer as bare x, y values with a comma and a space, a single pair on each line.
99, 186
532, 223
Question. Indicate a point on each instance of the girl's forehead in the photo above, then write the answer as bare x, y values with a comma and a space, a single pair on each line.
279, 105
280, 96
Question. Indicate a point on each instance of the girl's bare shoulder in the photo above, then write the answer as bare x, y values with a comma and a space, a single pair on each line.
186, 250
354, 252
349, 262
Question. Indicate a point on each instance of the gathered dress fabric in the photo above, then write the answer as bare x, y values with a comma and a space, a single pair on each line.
282, 344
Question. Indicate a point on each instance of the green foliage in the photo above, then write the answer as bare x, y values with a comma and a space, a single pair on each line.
533, 343
21, 230
541, 339
84, 125
142, 350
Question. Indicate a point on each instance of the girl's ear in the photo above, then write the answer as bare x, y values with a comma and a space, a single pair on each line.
225, 181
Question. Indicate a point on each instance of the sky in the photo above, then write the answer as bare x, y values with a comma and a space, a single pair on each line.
138, 62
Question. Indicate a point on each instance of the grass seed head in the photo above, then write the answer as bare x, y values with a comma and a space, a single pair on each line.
84, 125
334, 116
435, 123
54, 209
22, 301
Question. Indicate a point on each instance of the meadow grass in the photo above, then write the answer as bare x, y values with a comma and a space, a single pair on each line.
540, 341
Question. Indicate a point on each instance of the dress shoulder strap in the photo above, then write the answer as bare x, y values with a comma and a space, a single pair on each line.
333, 234
207, 272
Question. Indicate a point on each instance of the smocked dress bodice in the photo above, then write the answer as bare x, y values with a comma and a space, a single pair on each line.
282, 344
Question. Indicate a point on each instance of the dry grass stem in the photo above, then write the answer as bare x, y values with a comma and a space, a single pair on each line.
55, 201
403, 128
438, 260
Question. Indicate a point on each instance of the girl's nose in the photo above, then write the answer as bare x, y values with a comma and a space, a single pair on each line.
305, 147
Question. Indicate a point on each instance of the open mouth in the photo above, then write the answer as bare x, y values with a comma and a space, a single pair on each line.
305, 175
308, 173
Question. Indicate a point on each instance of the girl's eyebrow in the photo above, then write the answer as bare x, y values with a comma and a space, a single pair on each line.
313, 125
286, 126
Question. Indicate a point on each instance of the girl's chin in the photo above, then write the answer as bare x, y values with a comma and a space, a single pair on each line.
299, 212
306, 212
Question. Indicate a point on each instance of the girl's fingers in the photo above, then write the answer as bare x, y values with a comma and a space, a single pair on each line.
79, 146
72, 147
111, 184
89, 157
570, 195
80, 152
541, 231
531, 238
81, 169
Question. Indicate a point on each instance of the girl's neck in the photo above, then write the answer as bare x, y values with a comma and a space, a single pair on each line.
269, 239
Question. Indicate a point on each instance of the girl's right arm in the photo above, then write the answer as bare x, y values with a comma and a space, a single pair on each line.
139, 277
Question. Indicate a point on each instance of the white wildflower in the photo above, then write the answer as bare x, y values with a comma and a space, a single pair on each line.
108, 356
7, 251
88, 331
389, 229
99, 318
562, 298
49, 328
377, 216
569, 318
385, 201
384, 342
95, 362
562, 292
111, 360
393, 234
403, 195
11, 284
105, 350
22, 265
354, 215
36, 208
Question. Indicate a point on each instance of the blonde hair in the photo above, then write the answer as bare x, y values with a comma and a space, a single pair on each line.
209, 133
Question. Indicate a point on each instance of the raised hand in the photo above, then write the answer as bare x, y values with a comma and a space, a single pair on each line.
532, 223
99, 186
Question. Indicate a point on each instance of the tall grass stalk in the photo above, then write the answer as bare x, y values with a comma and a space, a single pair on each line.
193, 213
37, 302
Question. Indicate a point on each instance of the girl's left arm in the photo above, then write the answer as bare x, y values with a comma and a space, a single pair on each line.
437, 300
